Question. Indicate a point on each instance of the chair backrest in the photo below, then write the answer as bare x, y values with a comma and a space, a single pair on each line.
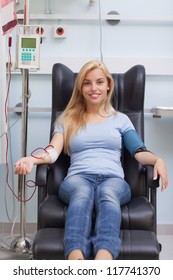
128, 98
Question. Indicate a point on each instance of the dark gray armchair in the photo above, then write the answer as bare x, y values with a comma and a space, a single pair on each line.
138, 227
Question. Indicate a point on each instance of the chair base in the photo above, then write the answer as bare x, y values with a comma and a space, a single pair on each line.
136, 245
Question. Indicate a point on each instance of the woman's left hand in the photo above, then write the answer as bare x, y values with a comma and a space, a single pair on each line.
160, 170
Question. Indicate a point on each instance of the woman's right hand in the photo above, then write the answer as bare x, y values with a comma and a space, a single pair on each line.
24, 165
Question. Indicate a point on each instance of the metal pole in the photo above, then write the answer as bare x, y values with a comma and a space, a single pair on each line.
22, 244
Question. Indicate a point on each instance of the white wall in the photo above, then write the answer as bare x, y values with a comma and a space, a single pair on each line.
149, 42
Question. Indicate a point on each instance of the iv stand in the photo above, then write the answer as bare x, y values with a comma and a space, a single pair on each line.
23, 244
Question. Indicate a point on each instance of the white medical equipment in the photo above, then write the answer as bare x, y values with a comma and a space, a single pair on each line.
28, 51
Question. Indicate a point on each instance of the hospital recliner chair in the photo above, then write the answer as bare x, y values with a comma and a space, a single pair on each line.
138, 227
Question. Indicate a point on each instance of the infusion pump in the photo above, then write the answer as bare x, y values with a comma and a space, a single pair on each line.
28, 51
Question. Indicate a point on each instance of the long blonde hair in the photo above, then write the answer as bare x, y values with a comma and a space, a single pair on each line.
74, 116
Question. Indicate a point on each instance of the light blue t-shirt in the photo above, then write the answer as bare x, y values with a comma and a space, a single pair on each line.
97, 148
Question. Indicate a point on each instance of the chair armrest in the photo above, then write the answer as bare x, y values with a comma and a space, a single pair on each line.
41, 182
41, 175
152, 185
149, 176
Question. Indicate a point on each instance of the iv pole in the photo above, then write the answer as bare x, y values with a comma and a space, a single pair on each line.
23, 244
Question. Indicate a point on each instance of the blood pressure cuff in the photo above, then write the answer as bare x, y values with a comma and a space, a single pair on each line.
132, 142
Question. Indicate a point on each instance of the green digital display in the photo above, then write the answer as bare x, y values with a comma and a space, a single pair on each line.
29, 43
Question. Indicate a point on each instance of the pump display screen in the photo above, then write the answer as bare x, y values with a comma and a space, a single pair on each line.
28, 43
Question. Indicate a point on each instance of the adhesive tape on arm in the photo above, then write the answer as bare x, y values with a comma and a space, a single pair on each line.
53, 154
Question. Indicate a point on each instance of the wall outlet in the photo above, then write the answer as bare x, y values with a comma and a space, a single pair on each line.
40, 30
59, 31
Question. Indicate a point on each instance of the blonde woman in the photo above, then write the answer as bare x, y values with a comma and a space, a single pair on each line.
92, 133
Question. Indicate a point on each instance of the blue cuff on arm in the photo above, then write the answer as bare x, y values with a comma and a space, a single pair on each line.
132, 141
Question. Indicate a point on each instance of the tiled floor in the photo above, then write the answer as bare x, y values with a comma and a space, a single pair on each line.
6, 254
167, 246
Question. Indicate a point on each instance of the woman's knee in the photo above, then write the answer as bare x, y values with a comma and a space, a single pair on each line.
76, 188
113, 190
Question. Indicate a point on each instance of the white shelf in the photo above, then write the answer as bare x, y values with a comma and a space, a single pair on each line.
30, 109
153, 18
154, 66
158, 112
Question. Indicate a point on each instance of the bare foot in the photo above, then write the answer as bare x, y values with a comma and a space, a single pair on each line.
76, 255
103, 255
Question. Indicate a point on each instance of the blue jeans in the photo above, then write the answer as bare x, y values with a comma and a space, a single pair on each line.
83, 193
